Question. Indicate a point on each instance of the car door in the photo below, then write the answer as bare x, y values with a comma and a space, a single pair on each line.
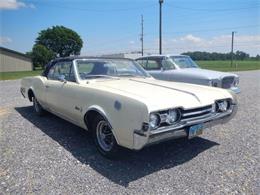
155, 68
59, 90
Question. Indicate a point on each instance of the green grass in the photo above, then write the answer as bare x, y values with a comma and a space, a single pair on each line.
225, 65
18, 75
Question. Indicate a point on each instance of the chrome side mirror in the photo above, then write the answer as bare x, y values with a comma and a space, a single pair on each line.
62, 78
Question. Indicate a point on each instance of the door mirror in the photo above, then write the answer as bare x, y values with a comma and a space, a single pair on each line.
62, 78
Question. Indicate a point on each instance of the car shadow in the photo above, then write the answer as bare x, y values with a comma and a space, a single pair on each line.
132, 166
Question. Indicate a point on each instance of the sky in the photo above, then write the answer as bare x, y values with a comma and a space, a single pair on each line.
114, 26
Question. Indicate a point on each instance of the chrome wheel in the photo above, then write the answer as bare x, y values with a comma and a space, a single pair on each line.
105, 136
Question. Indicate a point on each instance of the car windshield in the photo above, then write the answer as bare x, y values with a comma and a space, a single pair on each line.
108, 68
184, 62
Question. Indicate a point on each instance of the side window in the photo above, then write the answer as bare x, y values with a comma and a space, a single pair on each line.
153, 64
50, 74
61, 69
142, 62
167, 64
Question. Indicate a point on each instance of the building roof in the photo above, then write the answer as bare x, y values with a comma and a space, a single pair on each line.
161, 55
14, 52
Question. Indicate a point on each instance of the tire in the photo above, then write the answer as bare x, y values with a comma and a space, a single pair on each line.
37, 107
104, 138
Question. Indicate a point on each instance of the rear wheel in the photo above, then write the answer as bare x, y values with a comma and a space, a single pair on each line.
104, 138
37, 107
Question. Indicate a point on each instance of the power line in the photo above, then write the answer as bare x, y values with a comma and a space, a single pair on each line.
207, 30
194, 47
215, 10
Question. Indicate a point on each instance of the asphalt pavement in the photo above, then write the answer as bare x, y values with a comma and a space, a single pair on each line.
47, 155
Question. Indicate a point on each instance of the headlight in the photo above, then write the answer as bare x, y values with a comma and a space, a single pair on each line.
222, 106
154, 121
172, 116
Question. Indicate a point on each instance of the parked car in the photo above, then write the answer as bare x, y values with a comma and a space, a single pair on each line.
122, 105
182, 68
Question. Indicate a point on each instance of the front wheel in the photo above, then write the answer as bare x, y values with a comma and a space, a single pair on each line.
104, 138
37, 107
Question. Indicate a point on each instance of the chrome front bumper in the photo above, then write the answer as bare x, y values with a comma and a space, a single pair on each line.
180, 130
236, 90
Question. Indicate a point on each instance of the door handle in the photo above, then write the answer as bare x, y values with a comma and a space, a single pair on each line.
47, 86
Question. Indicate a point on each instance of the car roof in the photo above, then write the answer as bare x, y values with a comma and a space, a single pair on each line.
161, 55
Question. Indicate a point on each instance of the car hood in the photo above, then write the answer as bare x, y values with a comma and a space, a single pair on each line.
158, 95
202, 73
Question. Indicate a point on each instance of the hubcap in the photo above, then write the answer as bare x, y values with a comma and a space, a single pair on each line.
104, 136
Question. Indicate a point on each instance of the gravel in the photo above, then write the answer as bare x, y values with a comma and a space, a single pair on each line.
47, 155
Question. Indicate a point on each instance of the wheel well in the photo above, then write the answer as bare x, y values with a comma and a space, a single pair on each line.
89, 117
30, 94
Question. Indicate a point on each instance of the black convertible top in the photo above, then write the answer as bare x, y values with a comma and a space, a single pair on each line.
71, 58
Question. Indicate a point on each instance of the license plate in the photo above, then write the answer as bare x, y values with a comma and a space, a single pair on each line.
195, 130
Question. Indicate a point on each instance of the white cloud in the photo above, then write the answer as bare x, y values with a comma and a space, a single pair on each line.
191, 38
14, 4
221, 43
5, 40
132, 42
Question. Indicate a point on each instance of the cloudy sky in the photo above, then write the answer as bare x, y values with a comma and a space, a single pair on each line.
112, 26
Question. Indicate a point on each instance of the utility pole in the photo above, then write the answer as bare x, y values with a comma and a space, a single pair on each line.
232, 48
142, 35
160, 27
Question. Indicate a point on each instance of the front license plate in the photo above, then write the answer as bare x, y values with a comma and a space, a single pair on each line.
195, 130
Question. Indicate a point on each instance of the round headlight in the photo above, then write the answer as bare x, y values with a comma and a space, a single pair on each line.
172, 116
154, 121
222, 105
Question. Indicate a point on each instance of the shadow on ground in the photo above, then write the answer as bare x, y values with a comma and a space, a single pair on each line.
132, 166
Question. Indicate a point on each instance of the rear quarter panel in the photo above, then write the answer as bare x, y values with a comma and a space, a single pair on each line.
36, 84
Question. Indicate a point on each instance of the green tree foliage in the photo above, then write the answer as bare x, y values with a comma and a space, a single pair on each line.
40, 55
61, 40
199, 55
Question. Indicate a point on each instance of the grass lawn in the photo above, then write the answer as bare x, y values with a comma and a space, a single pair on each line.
18, 75
225, 65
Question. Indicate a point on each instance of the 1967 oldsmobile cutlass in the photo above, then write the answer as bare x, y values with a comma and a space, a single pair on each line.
122, 105
181, 68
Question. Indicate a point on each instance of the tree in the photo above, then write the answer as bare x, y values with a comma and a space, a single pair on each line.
61, 40
40, 55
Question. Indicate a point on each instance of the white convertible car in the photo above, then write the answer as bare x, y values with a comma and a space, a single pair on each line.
123, 105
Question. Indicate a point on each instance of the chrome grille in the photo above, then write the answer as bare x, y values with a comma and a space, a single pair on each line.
227, 82
197, 113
